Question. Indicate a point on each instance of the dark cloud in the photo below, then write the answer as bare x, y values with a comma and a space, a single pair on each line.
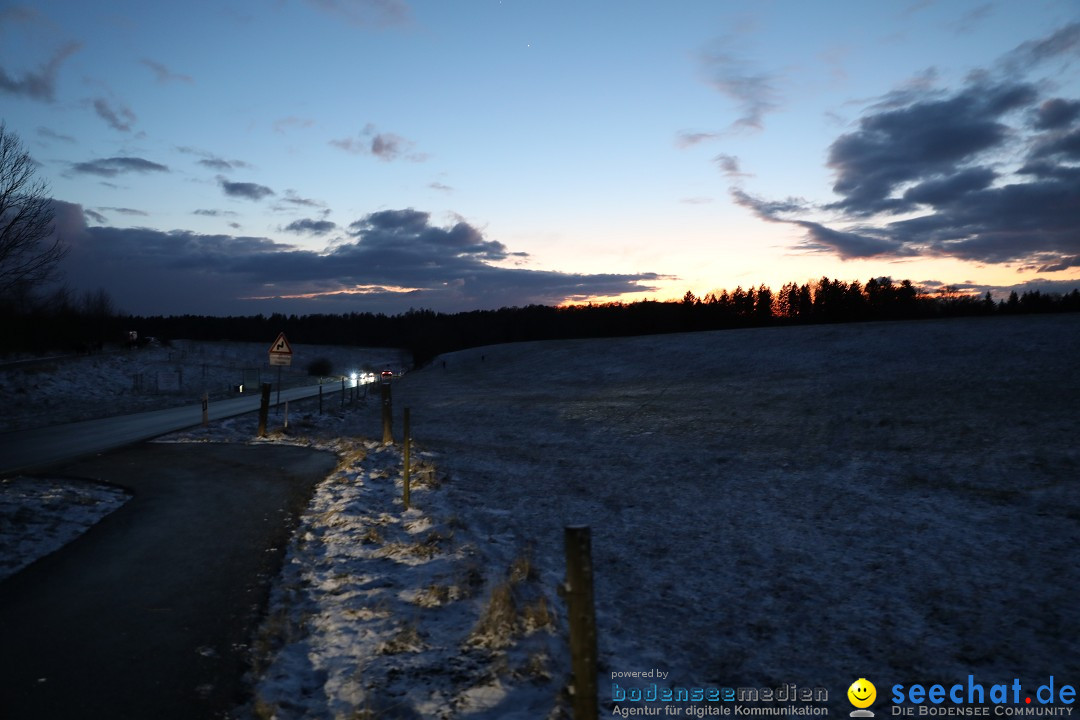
846, 243
249, 191
1064, 146
96, 217
935, 174
861, 243
314, 227
942, 190
119, 118
987, 173
41, 84
395, 259
754, 92
164, 74
110, 167
1063, 263
1057, 113
932, 137
393, 230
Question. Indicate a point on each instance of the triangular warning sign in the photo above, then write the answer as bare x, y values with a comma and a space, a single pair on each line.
281, 346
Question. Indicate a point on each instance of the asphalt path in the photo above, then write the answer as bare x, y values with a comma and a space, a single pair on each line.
25, 450
152, 612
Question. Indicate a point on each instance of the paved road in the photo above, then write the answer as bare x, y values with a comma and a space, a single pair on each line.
151, 612
25, 450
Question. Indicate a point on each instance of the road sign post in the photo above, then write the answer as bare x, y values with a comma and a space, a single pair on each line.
280, 355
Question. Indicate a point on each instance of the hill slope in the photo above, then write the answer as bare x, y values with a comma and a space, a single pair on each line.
810, 505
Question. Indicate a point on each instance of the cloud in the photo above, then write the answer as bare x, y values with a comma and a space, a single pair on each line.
313, 227
111, 167
392, 260
386, 146
39, 85
1064, 41
729, 165
930, 137
214, 213
48, 134
212, 161
1063, 263
119, 118
124, 211
1057, 113
754, 92
440, 187
687, 139
819, 238
246, 190
96, 216
164, 74
216, 164
986, 173
293, 199
366, 13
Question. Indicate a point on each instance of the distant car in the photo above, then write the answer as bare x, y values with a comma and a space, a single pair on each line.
387, 374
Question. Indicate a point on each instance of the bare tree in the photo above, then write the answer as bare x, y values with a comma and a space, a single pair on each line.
29, 253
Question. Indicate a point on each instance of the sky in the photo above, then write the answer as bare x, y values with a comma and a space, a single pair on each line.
306, 156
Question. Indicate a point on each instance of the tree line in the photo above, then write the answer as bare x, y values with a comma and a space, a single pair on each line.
63, 322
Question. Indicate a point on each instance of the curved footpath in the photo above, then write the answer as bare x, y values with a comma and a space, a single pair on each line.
150, 613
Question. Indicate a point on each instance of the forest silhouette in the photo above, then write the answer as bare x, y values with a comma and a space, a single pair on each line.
64, 324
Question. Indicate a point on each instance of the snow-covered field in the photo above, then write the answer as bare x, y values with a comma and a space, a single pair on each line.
898, 502
769, 506
41, 515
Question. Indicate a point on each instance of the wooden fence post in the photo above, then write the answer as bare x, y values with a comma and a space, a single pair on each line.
264, 409
581, 612
205, 409
387, 415
405, 471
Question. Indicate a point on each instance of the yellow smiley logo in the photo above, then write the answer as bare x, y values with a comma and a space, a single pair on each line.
862, 693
